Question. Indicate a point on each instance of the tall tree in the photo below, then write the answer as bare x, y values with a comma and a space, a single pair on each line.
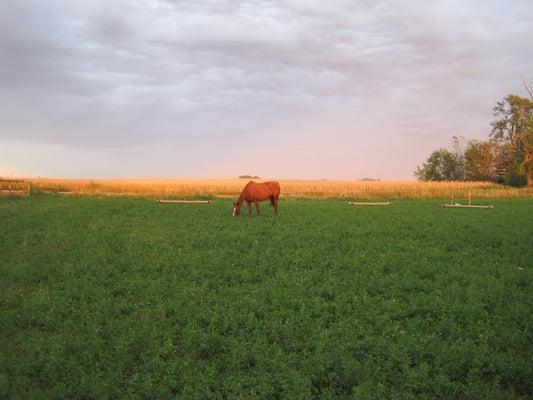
513, 127
528, 85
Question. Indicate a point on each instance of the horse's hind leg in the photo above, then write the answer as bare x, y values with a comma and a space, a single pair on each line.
257, 208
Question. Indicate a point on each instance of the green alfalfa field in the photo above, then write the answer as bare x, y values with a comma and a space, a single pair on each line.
106, 298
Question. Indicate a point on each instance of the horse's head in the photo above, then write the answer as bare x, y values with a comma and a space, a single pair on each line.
236, 209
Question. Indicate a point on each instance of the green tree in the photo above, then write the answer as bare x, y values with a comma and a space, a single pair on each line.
512, 127
441, 165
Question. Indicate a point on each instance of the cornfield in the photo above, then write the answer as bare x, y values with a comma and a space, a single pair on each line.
176, 188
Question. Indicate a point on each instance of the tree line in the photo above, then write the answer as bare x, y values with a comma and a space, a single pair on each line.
505, 157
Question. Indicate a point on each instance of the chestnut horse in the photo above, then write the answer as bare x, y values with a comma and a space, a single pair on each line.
256, 192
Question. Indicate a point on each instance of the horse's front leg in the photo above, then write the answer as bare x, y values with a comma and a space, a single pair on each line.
249, 208
257, 207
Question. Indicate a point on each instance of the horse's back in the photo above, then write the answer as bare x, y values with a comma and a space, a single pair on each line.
261, 191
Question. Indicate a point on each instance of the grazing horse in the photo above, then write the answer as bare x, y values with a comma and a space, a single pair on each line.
256, 192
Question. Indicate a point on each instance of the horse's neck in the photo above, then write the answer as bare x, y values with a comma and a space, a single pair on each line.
241, 199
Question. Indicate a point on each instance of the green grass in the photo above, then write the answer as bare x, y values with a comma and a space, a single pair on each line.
123, 298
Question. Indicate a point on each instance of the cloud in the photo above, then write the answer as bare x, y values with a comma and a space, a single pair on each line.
111, 75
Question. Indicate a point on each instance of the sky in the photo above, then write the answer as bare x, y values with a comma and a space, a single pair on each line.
296, 89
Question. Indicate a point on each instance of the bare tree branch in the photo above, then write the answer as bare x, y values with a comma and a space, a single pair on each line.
528, 85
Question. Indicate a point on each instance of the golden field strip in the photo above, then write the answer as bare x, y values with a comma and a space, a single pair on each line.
176, 188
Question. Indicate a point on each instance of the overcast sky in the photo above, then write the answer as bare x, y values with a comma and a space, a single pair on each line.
331, 89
